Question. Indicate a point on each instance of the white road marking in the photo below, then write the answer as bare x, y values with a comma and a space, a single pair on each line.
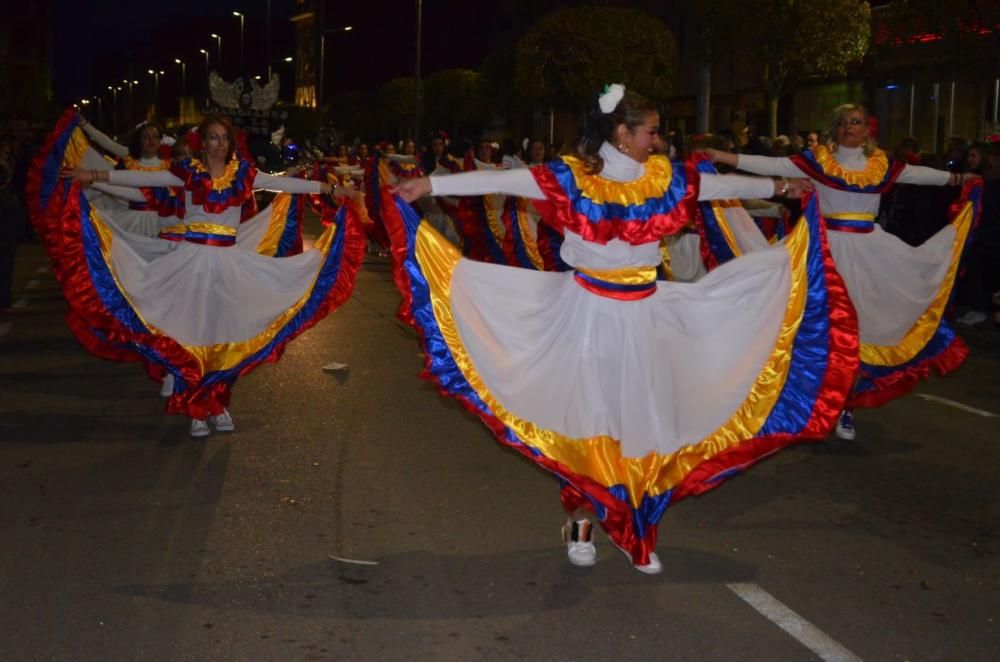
957, 405
334, 367
802, 630
41, 270
20, 303
32, 284
5, 328
354, 561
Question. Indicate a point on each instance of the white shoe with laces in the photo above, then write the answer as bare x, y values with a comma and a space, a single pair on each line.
222, 422
167, 387
579, 540
845, 426
199, 428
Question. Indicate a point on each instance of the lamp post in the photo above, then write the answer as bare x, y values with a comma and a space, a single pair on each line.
131, 104
156, 87
218, 40
114, 108
322, 59
183, 75
416, 106
208, 92
289, 60
242, 22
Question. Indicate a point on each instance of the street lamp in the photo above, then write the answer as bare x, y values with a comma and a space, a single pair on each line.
183, 75
242, 21
114, 108
218, 40
322, 59
156, 86
131, 105
416, 106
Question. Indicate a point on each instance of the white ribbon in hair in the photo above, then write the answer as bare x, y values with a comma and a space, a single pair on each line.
610, 97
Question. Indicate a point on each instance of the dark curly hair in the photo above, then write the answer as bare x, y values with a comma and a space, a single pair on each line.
135, 141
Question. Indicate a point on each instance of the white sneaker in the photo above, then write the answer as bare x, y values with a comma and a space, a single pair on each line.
199, 428
845, 426
167, 387
583, 554
222, 422
654, 567
579, 540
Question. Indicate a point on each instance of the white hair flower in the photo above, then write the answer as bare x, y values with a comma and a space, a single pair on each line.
610, 97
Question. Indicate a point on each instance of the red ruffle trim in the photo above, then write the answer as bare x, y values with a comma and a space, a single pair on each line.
903, 381
557, 210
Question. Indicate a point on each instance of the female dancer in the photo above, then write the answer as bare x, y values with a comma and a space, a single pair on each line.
900, 292
633, 393
146, 216
205, 312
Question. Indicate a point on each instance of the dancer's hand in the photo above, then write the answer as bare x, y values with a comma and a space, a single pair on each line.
960, 178
85, 177
792, 188
411, 189
350, 193
719, 156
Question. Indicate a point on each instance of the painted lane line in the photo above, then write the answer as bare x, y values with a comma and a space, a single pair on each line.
802, 630
354, 561
957, 405
20, 303
32, 284
5, 328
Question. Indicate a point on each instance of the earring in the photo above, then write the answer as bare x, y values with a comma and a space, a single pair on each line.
622, 148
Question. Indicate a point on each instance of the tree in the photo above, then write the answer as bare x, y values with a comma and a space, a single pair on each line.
453, 99
396, 101
571, 54
792, 40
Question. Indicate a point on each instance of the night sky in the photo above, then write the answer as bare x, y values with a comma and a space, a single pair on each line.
117, 45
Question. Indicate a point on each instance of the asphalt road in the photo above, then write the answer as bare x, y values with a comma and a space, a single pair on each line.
124, 539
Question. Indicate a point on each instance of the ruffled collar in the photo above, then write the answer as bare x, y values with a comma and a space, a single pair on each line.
852, 166
619, 167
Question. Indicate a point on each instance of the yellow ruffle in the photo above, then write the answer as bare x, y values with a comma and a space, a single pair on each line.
600, 457
132, 164
927, 324
528, 238
75, 149
272, 236
222, 182
653, 184
873, 173
668, 271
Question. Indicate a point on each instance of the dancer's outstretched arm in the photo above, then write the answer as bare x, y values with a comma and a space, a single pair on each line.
479, 182
101, 139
